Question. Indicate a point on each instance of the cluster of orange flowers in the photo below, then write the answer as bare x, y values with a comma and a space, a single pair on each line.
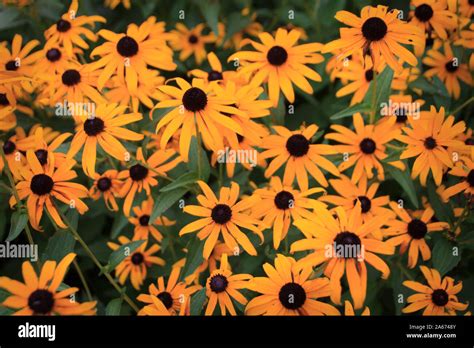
125, 154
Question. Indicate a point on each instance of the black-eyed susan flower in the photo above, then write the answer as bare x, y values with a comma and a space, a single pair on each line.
41, 295
288, 290
190, 42
222, 286
129, 54
349, 193
427, 141
135, 265
224, 215
13, 148
379, 33
364, 147
463, 169
359, 76
300, 157
143, 226
54, 58
433, 17
410, 232
21, 60
281, 204
279, 63
103, 128
142, 175
448, 69
216, 72
438, 297
70, 29
107, 185
43, 150
172, 299
76, 84
40, 184
196, 108
343, 245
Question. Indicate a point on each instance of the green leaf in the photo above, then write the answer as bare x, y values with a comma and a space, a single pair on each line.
197, 302
405, 182
278, 113
210, 11
382, 85
166, 200
122, 252
114, 307
9, 18
443, 212
351, 110
184, 180
198, 161
446, 255
18, 223
59, 245
194, 258
120, 221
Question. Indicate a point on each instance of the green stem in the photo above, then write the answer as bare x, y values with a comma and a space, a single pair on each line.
83, 280
462, 106
102, 268
20, 204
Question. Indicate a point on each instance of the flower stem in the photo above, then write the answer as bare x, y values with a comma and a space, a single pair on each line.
83, 280
462, 106
102, 268
20, 204
198, 136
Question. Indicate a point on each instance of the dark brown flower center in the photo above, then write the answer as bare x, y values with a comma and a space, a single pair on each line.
11, 66
94, 126
451, 66
194, 99
440, 297
137, 258
221, 213
214, 76
469, 141
424, 12
53, 55
71, 77
277, 55
470, 178
417, 229
349, 243
41, 184
41, 302
127, 46
9, 147
365, 203
297, 145
144, 220
4, 100
292, 296
283, 200
104, 184
367, 146
374, 29
62, 25
193, 39
42, 156
430, 143
218, 283
166, 298
138, 172
369, 75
